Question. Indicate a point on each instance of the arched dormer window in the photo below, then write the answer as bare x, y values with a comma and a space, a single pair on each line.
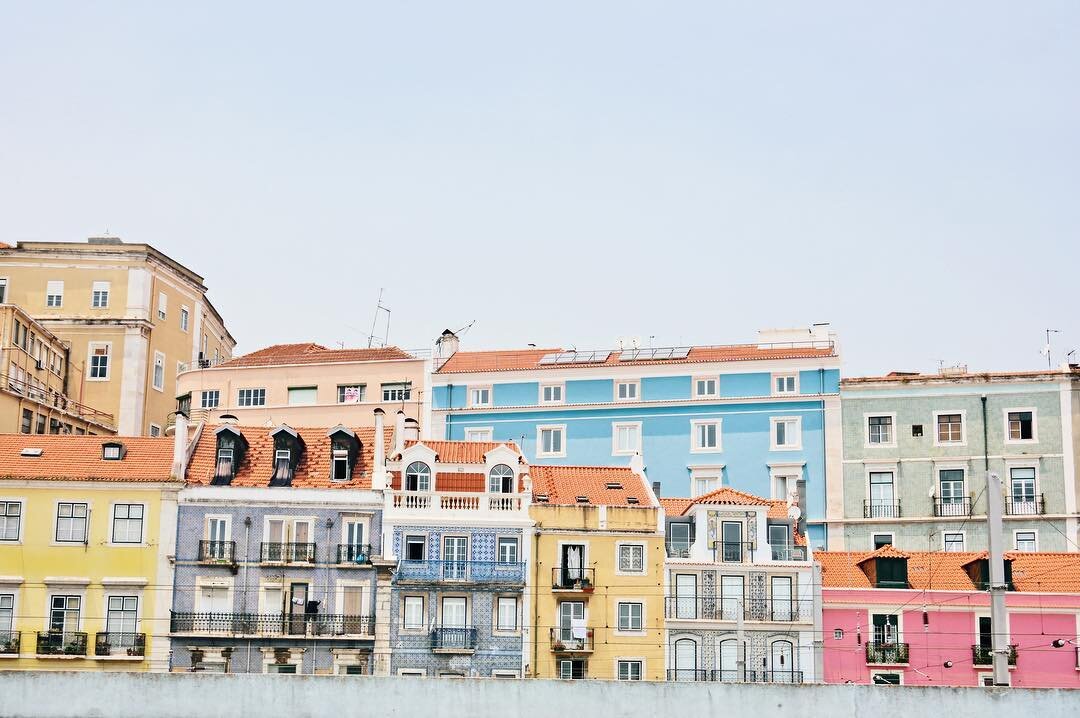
344, 450
231, 446
288, 450
501, 480
417, 477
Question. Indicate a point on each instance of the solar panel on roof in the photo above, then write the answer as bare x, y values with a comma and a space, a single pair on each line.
680, 352
659, 354
549, 358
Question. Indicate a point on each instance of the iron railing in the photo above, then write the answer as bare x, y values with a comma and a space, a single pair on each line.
678, 550
881, 509
775, 676
354, 553
886, 653
464, 571
288, 553
569, 578
953, 507
718, 675
120, 644
273, 624
733, 552
9, 642
788, 553
1034, 506
563, 640
61, 643
57, 400
217, 552
453, 639
695, 608
981, 656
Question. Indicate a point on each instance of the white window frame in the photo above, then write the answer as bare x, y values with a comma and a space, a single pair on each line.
615, 427
561, 386
1034, 425
477, 388
154, 430
54, 288
22, 519
636, 383
251, 389
480, 433
56, 541
423, 614
867, 444
497, 627
963, 540
963, 427
203, 396
185, 317
705, 473
694, 448
715, 378
629, 600
159, 361
890, 534
773, 421
630, 659
90, 347
619, 546
162, 306
784, 375
1025, 531
895, 671
100, 287
540, 453
142, 524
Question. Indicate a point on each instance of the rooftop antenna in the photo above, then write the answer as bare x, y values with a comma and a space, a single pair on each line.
1046, 349
1070, 355
465, 328
379, 308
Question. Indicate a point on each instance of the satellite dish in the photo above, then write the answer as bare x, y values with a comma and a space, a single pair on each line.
794, 512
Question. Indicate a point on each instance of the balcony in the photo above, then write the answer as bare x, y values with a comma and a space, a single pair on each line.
689, 675
354, 554
1025, 505
775, 676
719, 609
217, 552
457, 501
56, 400
288, 553
889, 654
9, 642
881, 510
487, 572
788, 553
563, 640
453, 640
120, 644
733, 552
573, 579
61, 643
981, 656
953, 507
317, 625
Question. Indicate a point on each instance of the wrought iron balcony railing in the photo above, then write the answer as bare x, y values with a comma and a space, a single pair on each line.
1025, 505
120, 644
733, 552
563, 640
981, 656
453, 639
678, 550
569, 578
690, 675
775, 676
881, 509
350, 553
491, 572
788, 553
288, 553
953, 507
9, 642
217, 552
695, 608
886, 653
325, 625
61, 643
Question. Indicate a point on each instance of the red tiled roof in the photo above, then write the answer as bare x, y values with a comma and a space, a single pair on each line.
313, 471
463, 452
522, 359
886, 551
675, 506
311, 353
78, 458
728, 495
563, 484
466, 482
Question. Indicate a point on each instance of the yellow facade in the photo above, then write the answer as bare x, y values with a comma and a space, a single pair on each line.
117, 594
147, 313
602, 531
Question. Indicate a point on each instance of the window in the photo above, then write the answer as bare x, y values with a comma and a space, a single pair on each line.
54, 294
303, 395
418, 477
185, 318
127, 523
786, 433
155, 430
159, 371
40, 428
70, 523
501, 480
480, 396
482, 433
952, 499
455, 613
882, 502
1025, 541
731, 541
550, 441
626, 390
210, 398
396, 392
626, 438
64, 613
882, 540
7, 612
10, 520
282, 466
706, 387
350, 393
551, 393
3, 290
785, 384
1021, 425
629, 670
162, 305
251, 397
887, 679
954, 541
706, 435
415, 548
880, 430
99, 295
572, 670
1022, 498
704, 481
99, 361
413, 613
630, 616
678, 540
916, 430
631, 558
950, 428
27, 421
508, 549
507, 614
122, 620
340, 465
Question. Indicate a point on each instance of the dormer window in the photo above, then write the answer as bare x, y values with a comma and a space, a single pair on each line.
344, 448
583, 499
282, 466
340, 469
112, 451
501, 480
978, 570
891, 573
418, 477
230, 452
288, 447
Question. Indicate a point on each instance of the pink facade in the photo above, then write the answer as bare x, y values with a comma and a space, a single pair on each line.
947, 633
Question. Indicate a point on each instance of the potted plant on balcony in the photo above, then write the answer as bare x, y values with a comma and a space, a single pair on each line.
558, 645
72, 647
586, 585
10, 644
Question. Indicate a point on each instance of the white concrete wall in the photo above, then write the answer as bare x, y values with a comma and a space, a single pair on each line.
142, 695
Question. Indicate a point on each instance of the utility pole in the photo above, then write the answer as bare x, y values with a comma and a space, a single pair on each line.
1000, 650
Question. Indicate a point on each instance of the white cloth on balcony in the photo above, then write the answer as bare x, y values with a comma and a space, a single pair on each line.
578, 628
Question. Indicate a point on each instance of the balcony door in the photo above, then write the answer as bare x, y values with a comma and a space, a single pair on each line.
686, 595
121, 620
685, 660
1022, 491
731, 597
731, 541
453, 612
882, 497
455, 557
782, 599
571, 613
64, 613
781, 654
217, 533
354, 542
352, 605
951, 482
886, 628
298, 599
729, 660
679, 540
573, 563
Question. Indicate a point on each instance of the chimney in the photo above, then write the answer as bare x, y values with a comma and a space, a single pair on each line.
399, 433
445, 347
656, 487
412, 429
180, 446
378, 471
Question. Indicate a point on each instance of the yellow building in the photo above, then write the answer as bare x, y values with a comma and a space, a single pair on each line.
131, 316
87, 528
598, 591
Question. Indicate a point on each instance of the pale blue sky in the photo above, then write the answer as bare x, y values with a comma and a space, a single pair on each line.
568, 173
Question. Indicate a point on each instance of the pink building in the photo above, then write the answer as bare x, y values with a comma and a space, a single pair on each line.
923, 618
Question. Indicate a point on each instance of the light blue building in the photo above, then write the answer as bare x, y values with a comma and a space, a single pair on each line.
763, 418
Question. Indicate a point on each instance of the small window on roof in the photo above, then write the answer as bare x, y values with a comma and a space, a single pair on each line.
541, 498
583, 499
30, 452
112, 451
632, 499
613, 485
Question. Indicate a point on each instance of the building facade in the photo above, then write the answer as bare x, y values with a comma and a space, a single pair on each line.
598, 605
87, 525
279, 540
457, 526
763, 418
130, 315
917, 449
923, 618
741, 603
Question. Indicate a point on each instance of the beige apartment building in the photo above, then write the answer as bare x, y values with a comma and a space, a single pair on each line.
130, 316
307, 385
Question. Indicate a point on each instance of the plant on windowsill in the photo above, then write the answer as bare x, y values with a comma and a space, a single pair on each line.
558, 646
585, 585
73, 649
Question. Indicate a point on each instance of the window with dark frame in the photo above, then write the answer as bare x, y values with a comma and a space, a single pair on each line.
127, 523
71, 522
1021, 426
881, 429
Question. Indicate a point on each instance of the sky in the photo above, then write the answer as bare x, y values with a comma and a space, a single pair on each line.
568, 173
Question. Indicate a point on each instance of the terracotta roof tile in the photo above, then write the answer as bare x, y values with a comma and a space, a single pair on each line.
311, 353
463, 452
78, 458
313, 471
728, 495
563, 484
886, 551
468, 482
675, 506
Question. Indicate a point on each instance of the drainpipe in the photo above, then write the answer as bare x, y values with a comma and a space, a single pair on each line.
824, 464
536, 599
986, 448
244, 580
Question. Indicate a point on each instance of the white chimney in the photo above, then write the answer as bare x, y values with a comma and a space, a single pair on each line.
412, 429
399, 433
180, 446
378, 471
445, 347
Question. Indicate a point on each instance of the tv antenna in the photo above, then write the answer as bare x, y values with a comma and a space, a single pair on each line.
1046, 349
375, 320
